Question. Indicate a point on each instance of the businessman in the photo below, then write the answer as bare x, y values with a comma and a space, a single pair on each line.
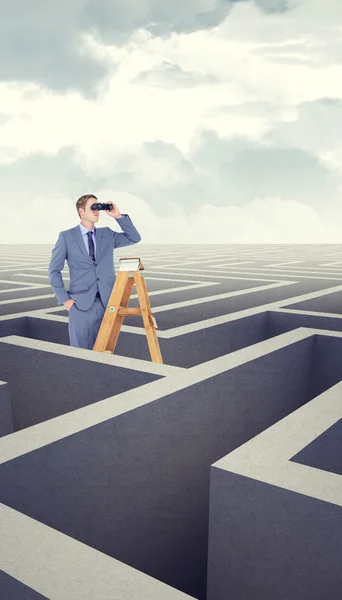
88, 251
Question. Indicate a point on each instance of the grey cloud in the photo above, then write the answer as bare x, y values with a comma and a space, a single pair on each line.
41, 41
45, 175
257, 108
289, 173
222, 171
317, 128
209, 150
274, 6
218, 171
241, 169
312, 26
169, 75
313, 126
115, 21
181, 185
315, 53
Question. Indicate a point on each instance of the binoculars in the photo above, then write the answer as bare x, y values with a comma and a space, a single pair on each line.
101, 206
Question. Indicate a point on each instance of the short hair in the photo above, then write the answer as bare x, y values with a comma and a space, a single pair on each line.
81, 202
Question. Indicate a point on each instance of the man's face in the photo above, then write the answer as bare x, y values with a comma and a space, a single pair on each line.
89, 214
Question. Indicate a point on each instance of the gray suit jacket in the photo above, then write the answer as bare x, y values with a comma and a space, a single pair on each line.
87, 277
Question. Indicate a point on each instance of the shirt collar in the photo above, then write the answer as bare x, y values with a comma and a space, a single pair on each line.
84, 230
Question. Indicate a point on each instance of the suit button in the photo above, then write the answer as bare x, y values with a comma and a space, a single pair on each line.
95, 264
98, 279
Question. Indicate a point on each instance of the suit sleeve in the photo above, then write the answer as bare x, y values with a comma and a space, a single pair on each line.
129, 235
58, 257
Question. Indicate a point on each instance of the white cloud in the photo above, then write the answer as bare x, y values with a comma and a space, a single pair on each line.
169, 75
256, 99
130, 114
267, 220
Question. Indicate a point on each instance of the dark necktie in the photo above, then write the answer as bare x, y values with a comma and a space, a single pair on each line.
91, 246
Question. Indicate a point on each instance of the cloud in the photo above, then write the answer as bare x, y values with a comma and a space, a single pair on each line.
261, 143
222, 172
4, 118
44, 175
315, 54
42, 42
46, 42
169, 75
270, 220
128, 115
274, 6
241, 169
287, 172
316, 128
308, 30
162, 175
115, 21
249, 109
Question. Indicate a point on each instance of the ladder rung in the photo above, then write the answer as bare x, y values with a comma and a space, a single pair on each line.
129, 311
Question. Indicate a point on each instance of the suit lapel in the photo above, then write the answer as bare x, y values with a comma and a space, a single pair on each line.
78, 237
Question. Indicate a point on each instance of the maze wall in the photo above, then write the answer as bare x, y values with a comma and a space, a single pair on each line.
214, 476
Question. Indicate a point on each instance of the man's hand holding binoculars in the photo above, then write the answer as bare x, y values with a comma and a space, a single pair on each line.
110, 209
114, 212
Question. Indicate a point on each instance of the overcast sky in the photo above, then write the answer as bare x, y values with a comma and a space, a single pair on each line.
207, 121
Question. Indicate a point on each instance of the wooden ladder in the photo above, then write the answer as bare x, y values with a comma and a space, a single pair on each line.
130, 273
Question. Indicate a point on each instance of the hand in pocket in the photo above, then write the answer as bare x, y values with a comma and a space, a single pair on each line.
68, 304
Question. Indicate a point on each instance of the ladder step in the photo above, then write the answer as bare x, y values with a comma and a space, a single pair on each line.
129, 311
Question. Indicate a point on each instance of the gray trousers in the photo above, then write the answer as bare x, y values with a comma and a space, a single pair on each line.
85, 324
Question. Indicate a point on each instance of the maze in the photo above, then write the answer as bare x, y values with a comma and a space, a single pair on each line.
214, 476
